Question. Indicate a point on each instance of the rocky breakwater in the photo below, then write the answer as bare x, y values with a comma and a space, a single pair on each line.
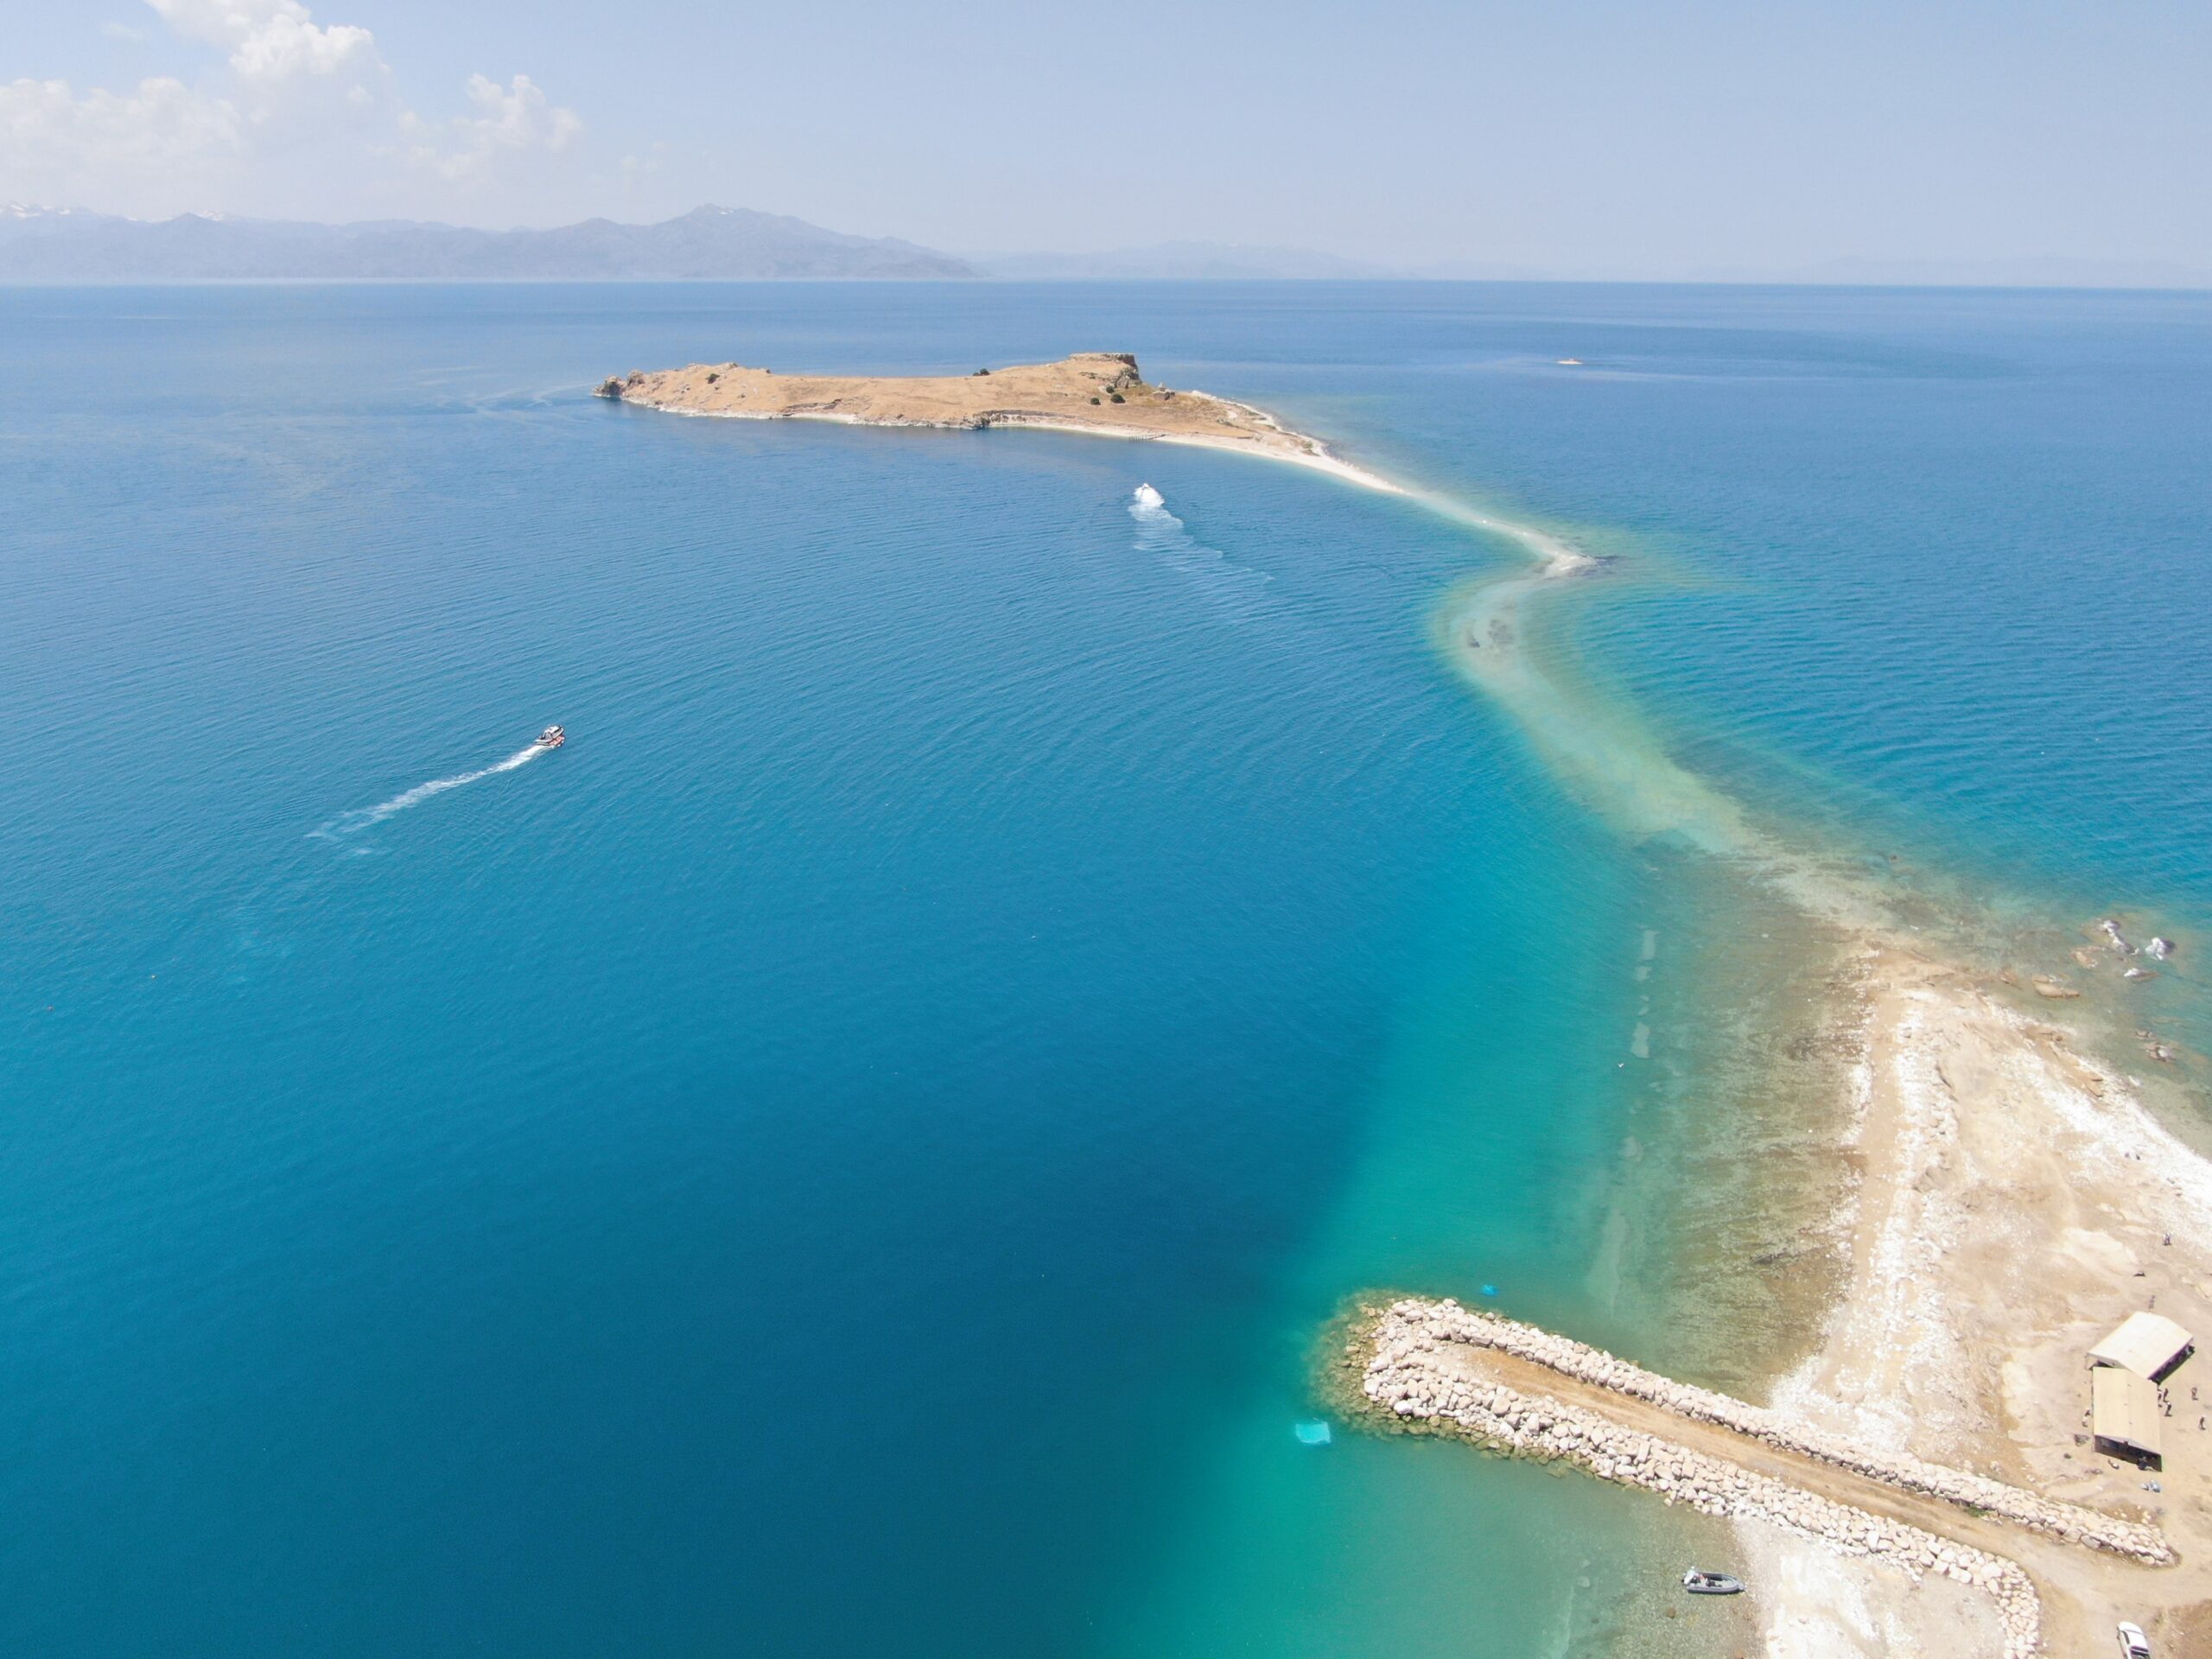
1447, 1321
1402, 1380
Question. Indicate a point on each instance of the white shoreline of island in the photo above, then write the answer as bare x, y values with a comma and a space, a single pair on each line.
1246, 429
1554, 556
1319, 459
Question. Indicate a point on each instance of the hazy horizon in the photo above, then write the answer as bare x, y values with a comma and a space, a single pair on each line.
805, 245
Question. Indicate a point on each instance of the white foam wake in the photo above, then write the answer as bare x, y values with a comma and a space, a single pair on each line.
362, 818
1237, 591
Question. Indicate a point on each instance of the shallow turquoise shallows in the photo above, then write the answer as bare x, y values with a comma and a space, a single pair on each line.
852, 1154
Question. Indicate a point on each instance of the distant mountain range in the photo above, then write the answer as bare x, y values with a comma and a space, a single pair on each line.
42, 244
62, 244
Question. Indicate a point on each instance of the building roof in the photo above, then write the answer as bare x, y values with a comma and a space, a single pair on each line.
2149, 1345
2124, 1408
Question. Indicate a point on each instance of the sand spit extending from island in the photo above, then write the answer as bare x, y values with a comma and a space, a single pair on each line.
1100, 393
2004, 1200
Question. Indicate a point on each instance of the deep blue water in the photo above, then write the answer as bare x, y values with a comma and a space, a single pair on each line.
849, 1155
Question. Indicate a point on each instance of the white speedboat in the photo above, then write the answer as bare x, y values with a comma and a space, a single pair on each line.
1699, 1582
551, 738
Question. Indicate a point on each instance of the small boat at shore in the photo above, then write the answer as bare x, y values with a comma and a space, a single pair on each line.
1699, 1582
551, 738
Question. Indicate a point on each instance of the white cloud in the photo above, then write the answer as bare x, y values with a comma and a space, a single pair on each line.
272, 40
60, 147
512, 120
295, 110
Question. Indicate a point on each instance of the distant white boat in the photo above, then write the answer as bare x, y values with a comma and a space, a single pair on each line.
551, 738
1570, 362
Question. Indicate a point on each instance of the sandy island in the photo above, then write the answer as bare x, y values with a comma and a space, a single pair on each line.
1100, 393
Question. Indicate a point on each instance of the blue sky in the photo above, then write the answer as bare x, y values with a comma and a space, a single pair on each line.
1580, 136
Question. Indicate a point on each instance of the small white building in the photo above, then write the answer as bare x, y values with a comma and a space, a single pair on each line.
2148, 1344
2124, 1418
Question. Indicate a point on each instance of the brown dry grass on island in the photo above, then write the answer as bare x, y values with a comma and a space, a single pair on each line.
1098, 392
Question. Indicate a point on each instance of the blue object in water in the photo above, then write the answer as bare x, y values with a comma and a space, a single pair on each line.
1313, 1432
1490, 1290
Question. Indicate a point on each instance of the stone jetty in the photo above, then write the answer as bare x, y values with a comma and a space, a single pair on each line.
1405, 1378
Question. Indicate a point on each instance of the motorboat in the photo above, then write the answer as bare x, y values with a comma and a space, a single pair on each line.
551, 738
1699, 1582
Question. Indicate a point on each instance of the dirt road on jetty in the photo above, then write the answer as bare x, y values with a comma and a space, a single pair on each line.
1516, 1387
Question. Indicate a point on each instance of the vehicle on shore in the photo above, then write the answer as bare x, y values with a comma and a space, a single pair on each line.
551, 738
1699, 1582
2134, 1644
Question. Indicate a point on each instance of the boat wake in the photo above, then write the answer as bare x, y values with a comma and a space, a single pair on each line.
351, 823
1237, 591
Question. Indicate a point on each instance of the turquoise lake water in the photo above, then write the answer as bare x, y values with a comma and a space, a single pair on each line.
854, 1154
